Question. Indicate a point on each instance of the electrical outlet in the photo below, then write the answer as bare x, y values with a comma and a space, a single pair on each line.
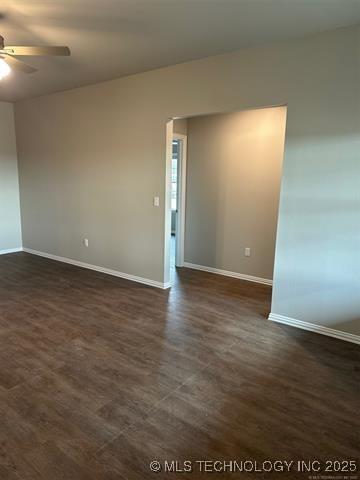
156, 201
86, 242
247, 252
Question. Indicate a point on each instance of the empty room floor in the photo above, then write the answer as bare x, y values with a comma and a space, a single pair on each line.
100, 376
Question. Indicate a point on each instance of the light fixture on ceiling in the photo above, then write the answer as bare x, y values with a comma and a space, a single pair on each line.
4, 69
9, 61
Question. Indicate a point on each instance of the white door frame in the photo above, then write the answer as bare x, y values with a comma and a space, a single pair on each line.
181, 199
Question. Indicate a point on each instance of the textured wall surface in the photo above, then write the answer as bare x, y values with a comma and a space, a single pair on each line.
234, 166
91, 160
10, 226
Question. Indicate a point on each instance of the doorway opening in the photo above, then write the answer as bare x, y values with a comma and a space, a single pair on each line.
178, 185
232, 195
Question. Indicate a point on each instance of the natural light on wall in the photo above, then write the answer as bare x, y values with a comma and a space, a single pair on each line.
4, 69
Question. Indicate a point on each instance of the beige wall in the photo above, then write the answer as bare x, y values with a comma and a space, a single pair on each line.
91, 160
10, 229
233, 186
180, 126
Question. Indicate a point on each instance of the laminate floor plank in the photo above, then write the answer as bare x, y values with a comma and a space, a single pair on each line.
100, 376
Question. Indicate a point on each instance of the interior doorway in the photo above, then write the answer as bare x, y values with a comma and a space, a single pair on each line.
178, 185
232, 184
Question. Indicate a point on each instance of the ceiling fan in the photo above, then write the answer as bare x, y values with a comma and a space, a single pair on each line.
9, 61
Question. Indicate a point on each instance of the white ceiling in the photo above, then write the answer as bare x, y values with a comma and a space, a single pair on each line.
113, 38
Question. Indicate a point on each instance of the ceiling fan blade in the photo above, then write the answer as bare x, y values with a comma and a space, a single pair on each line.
19, 65
34, 51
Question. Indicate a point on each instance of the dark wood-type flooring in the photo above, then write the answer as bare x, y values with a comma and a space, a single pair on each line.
99, 376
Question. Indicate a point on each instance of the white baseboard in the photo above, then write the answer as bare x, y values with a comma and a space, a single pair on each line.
227, 273
11, 250
330, 332
108, 271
